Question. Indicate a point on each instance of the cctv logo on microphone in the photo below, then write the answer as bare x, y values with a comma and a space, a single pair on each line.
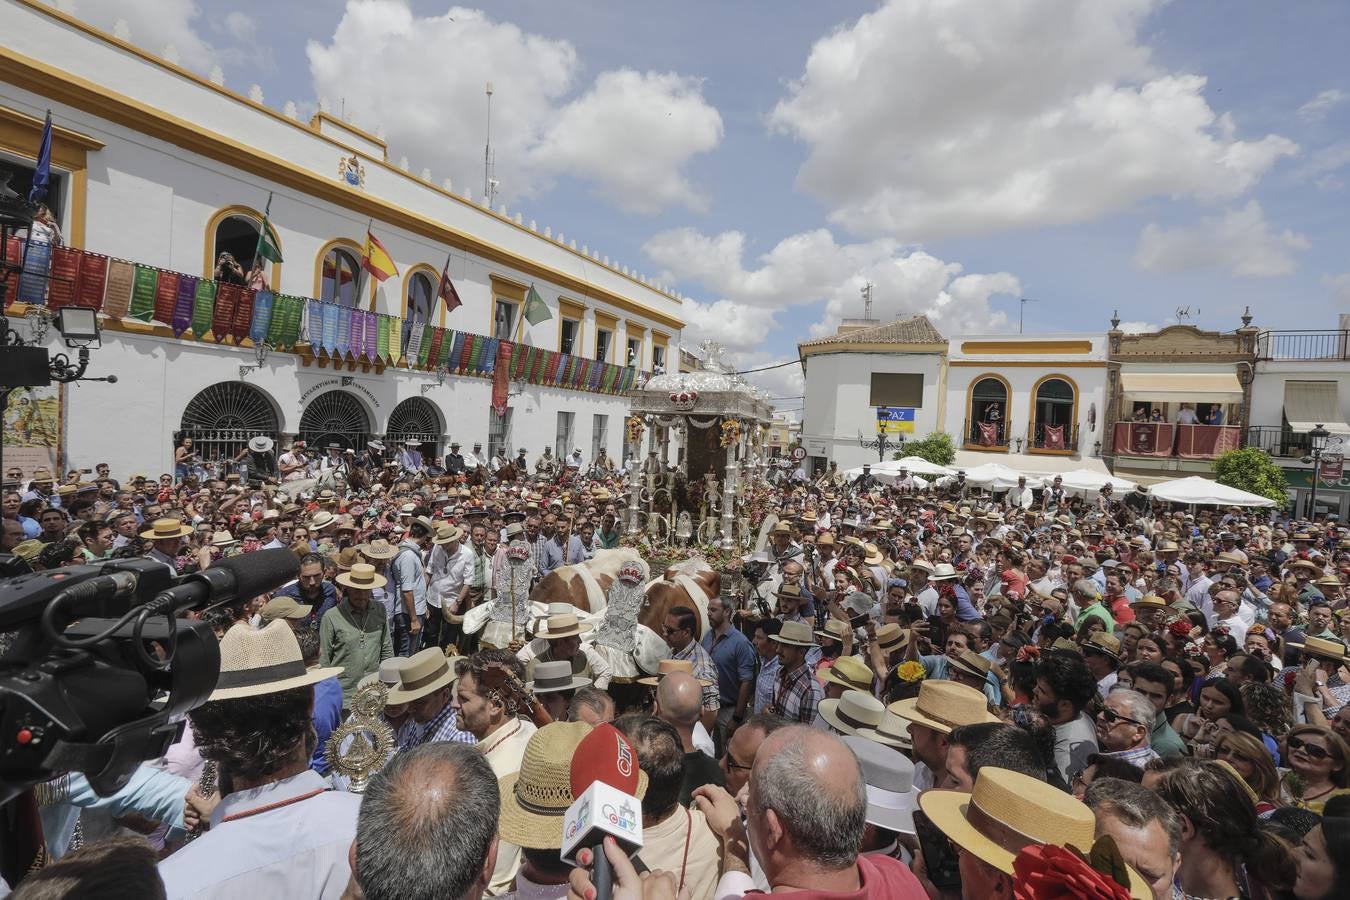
624, 817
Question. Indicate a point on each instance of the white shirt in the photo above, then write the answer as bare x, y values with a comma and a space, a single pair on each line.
449, 573
295, 850
1187, 417
703, 741
1020, 497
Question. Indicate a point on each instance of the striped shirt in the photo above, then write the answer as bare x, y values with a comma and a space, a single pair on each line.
705, 670
442, 728
797, 694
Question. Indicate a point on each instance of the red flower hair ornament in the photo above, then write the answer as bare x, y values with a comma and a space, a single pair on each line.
1049, 872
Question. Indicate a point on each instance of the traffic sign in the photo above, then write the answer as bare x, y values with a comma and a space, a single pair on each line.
799, 453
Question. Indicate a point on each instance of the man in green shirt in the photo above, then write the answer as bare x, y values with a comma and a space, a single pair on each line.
1089, 601
355, 633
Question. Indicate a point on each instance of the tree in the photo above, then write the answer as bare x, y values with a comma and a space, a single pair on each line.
1251, 469
937, 448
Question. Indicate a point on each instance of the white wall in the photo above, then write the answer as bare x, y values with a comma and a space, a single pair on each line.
130, 424
1268, 387
836, 409
1090, 382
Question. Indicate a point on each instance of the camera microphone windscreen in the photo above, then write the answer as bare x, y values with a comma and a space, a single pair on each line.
233, 579
604, 777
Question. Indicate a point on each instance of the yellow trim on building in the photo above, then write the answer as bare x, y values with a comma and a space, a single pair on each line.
1073, 423
970, 412
83, 94
20, 135
209, 240
1029, 363
571, 310
605, 322
820, 350
435, 277
1025, 348
320, 117
357, 250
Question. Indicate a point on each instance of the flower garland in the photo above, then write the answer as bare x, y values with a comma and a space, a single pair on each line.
635, 429
731, 432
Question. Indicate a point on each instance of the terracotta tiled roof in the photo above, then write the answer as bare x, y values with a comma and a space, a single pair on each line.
914, 330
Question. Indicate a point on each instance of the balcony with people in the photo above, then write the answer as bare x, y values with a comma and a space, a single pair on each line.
1051, 430
1195, 430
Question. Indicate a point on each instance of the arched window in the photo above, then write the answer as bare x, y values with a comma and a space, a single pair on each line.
339, 278
335, 417
417, 304
235, 242
224, 417
416, 418
987, 413
1053, 404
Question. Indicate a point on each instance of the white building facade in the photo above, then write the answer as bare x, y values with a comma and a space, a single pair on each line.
157, 166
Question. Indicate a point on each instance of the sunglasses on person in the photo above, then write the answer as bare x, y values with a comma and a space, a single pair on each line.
1313, 750
1112, 717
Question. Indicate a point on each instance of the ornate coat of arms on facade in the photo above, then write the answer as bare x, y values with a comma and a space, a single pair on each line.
351, 171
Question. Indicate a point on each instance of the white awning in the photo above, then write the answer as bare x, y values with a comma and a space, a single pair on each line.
1308, 404
1182, 387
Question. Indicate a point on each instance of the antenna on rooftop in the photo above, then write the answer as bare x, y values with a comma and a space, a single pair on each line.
489, 159
866, 292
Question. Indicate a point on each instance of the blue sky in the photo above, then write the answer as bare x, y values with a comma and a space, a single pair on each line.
959, 154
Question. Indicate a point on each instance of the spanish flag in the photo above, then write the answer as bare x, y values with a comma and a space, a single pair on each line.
376, 260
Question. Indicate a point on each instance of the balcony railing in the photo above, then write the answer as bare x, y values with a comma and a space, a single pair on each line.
986, 435
1303, 345
1166, 439
1052, 438
1279, 440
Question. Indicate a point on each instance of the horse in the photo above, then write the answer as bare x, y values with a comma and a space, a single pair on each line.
583, 583
507, 474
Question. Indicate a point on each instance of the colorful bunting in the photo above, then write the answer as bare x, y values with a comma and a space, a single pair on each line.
222, 319
456, 352
395, 345
501, 381
203, 307
564, 360
551, 373
424, 347
487, 360
462, 364
166, 295
372, 340
65, 280
143, 293
412, 341
358, 334
262, 316
291, 310
434, 351
343, 342
382, 338
93, 278
475, 353
121, 285
36, 266
180, 319
243, 315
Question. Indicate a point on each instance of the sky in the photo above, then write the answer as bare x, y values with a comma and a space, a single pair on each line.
1170, 160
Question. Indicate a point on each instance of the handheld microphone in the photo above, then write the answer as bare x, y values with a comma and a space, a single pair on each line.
605, 781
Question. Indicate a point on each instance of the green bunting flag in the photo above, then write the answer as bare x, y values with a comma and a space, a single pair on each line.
203, 308
143, 293
443, 358
382, 339
424, 352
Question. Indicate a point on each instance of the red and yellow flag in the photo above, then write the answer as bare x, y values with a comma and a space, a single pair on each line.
376, 260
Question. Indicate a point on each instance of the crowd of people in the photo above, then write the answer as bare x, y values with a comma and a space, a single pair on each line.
906, 692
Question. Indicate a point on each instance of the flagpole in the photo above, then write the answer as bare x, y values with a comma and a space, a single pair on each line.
361, 270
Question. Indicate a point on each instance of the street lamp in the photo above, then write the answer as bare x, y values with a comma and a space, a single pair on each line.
881, 444
1317, 439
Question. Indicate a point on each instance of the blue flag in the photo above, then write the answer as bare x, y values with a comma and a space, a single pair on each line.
42, 172
262, 316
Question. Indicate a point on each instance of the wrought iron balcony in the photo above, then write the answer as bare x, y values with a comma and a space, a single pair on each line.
1309, 346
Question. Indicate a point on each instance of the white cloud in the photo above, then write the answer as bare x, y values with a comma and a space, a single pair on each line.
632, 134
926, 120
156, 24
1316, 109
1240, 242
1323, 166
812, 268
421, 79
240, 26
1139, 327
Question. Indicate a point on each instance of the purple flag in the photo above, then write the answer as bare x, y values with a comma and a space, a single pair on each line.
358, 327
372, 328
183, 303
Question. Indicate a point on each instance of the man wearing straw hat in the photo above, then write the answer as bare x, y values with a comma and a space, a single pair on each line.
426, 688
355, 633
797, 693
278, 831
166, 537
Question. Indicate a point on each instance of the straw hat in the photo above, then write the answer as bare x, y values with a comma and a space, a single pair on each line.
30, 549
361, 576
448, 534
1149, 601
1103, 642
386, 674
874, 557
285, 608
422, 673
791, 591
1322, 648
835, 629
943, 572
1313, 568
891, 637
550, 677
223, 539
797, 634
849, 672
267, 660
1006, 812
922, 565
322, 519
561, 626
346, 558
971, 663
944, 705
378, 549
535, 798
825, 540
166, 529
893, 731
889, 777
670, 666
1230, 558
853, 710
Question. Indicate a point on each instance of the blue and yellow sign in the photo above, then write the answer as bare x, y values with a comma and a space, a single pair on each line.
895, 420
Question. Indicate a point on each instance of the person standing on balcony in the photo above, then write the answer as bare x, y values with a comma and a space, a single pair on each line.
1186, 415
1215, 416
